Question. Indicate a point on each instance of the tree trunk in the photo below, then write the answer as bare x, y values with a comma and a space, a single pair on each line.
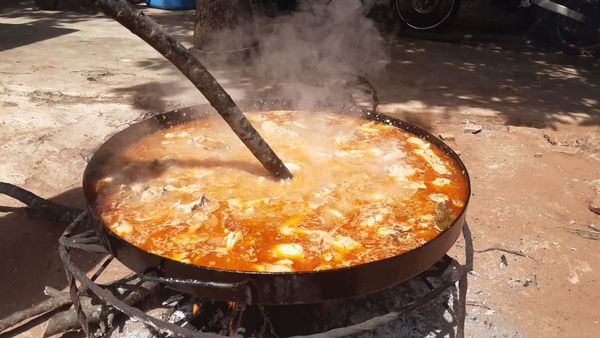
224, 25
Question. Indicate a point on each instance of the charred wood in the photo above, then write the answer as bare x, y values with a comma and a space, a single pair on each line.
132, 292
47, 305
38, 207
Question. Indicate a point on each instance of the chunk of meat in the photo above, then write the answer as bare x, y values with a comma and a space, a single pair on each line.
441, 181
232, 238
288, 250
439, 198
345, 244
425, 152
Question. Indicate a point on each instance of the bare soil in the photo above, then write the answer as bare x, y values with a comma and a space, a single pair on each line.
71, 78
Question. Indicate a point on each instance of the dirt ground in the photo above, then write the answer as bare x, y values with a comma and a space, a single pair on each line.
70, 78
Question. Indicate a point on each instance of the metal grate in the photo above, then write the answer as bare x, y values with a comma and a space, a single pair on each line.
78, 236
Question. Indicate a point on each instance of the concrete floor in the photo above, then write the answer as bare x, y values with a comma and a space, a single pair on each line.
71, 78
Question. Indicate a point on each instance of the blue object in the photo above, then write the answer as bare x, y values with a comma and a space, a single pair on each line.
172, 4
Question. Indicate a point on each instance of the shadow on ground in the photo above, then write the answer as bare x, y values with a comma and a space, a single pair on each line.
41, 25
68, 11
523, 85
17, 35
29, 256
519, 84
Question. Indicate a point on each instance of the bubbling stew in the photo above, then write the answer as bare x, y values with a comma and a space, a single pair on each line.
362, 191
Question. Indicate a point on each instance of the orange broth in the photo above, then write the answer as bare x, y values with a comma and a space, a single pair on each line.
361, 191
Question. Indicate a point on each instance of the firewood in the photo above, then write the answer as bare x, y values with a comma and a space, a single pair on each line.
47, 305
132, 292
67, 320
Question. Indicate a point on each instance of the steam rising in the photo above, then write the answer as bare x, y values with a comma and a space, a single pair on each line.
312, 56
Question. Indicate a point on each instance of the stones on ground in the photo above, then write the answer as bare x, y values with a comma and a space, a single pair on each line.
595, 205
472, 128
565, 150
86, 154
592, 234
447, 136
503, 260
97, 73
8, 104
595, 184
571, 146
594, 227
537, 155
531, 281
550, 139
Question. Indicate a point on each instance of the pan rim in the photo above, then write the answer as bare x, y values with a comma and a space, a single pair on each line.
363, 113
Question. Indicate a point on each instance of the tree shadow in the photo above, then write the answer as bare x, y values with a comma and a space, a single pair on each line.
17, 35
524, 85
29, 256
178, 23
514, 82
68, 11
148, 96
41, 25
519, 84
46, 24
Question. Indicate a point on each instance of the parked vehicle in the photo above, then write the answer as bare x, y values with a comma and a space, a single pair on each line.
426, 14
574, 25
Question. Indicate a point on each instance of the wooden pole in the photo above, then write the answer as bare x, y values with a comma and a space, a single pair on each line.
149, 31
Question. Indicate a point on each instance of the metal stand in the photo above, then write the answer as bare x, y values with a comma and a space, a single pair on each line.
88, 242
79, 235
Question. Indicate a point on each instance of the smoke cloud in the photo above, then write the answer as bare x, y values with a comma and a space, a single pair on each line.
313, 55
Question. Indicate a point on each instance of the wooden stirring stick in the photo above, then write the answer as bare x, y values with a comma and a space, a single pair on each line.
144, 27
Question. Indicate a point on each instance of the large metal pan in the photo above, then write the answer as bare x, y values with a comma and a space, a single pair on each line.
267, 287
